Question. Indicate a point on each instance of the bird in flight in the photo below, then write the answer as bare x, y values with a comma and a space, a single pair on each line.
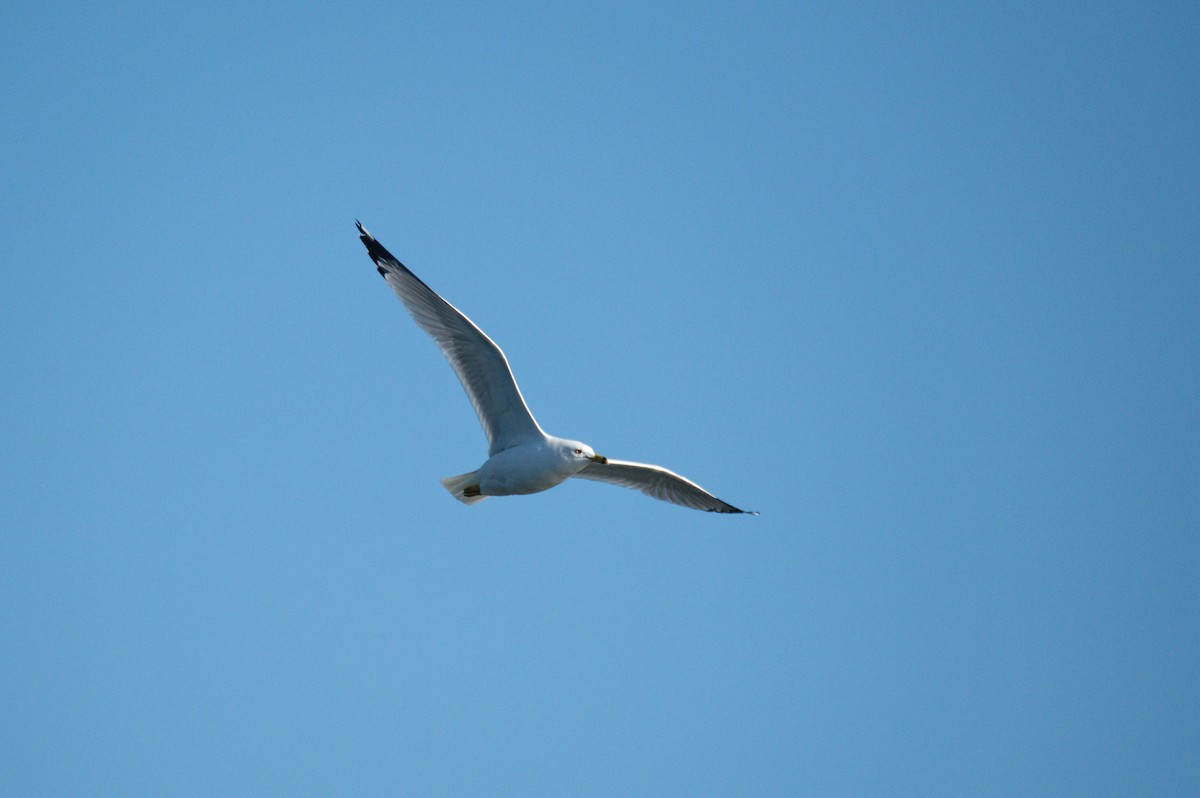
521, 457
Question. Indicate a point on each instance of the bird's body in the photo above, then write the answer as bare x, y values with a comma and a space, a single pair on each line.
531, 467
522, 459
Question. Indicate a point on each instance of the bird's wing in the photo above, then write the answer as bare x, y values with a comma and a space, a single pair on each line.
480, 365
659, 483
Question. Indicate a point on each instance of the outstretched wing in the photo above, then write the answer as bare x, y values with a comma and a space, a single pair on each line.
659, 483
480, 365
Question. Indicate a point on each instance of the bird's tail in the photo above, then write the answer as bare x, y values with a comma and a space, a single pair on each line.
464, 487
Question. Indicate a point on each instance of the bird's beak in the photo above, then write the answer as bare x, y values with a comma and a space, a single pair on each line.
599, 458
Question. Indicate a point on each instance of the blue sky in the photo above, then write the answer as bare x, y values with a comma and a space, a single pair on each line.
918, 282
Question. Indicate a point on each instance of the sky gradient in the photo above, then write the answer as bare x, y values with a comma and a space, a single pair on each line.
918, 283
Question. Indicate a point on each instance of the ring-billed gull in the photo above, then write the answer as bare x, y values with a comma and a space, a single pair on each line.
521, 457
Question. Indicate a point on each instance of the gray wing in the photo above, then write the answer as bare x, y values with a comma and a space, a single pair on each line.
480, 365
659, 483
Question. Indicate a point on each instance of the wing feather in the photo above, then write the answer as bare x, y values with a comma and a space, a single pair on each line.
479, 363
659, 483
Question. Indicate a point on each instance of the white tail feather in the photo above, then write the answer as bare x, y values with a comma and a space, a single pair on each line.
456, 484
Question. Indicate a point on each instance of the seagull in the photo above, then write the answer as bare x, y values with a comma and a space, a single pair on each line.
522, 459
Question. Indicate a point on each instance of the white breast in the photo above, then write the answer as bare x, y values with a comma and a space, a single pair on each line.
531, 468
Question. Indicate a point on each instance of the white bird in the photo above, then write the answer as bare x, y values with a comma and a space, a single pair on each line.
521, 457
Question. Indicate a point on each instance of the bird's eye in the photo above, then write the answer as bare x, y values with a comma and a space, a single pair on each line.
579, 451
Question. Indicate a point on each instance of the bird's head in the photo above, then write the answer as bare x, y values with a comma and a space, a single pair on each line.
576, 450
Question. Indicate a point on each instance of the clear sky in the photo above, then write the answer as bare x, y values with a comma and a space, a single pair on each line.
917, 281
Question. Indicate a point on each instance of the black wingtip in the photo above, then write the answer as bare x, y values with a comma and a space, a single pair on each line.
376, 250
729, 509
364, 235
